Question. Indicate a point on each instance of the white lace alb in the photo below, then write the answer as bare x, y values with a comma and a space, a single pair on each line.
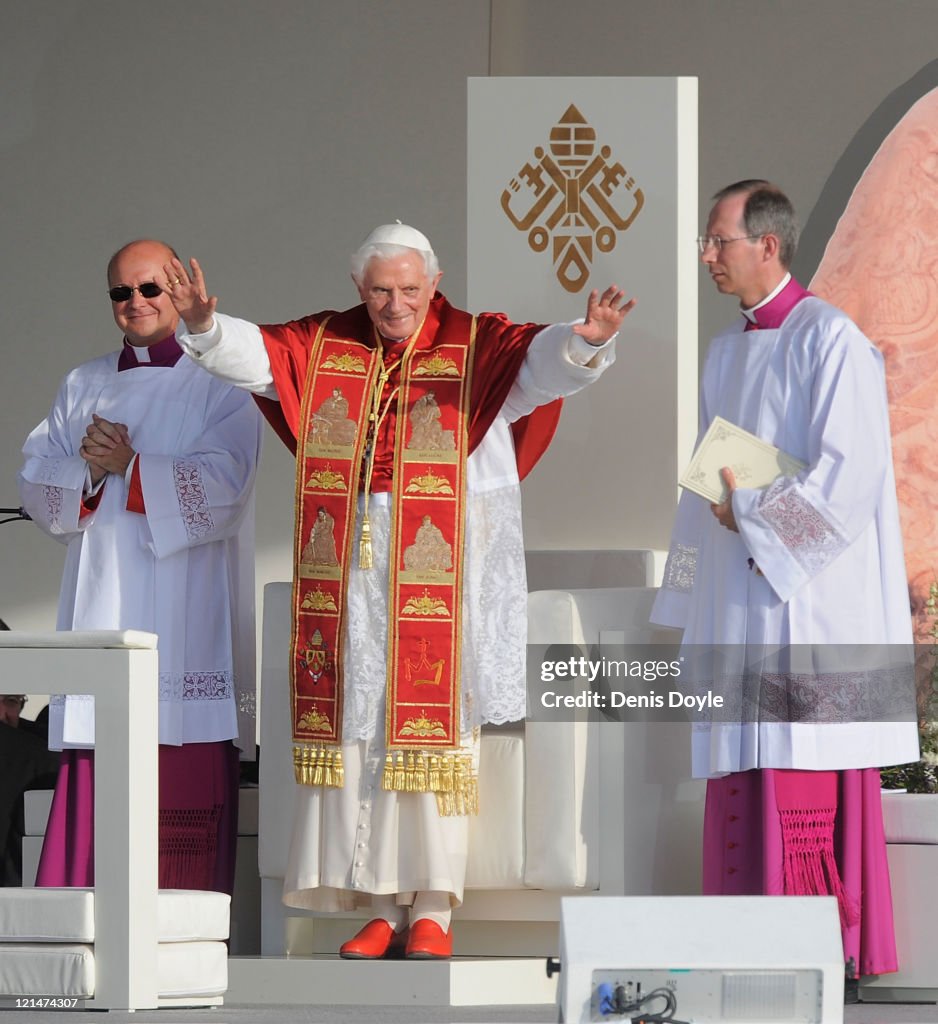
494, 618
812, 540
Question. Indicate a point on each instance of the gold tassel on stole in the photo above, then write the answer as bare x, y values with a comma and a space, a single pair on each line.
366, 557
451, 777
318, 766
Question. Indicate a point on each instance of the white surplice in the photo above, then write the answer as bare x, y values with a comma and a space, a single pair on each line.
360, 839
183, 570
825, 546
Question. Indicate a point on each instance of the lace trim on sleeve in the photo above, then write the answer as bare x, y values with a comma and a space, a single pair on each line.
680, 568
812, 540
196, 686
53, 496
193, 502
49, 471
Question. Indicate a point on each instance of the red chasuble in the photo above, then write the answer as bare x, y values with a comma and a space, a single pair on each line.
429, 402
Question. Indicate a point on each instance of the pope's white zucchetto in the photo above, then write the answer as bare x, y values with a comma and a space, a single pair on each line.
399, 234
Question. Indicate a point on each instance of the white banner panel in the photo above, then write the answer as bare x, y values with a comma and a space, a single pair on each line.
575, 183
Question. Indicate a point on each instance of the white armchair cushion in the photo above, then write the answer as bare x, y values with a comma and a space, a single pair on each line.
188, 915
47, 915
911, 818
496, 847
47, 936
561, 810
67, 915
191, 969
183, 970
46, 970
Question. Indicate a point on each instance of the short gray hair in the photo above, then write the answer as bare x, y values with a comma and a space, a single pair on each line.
768, 211
385, 251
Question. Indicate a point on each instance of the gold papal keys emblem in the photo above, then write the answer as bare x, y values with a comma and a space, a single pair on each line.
572, 198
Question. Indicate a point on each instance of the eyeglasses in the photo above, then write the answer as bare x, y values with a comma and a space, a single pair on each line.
705, 241
14, 702
122, 292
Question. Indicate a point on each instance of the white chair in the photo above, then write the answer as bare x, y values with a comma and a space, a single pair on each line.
244, 938
120, 946
565, 807
910, 822
48, 946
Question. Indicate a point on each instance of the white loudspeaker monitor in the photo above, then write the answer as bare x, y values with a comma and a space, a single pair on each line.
713, 959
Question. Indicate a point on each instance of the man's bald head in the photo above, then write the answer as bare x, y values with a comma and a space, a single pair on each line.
146, 242
144, 320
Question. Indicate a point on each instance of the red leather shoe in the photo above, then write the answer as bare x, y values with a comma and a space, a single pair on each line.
375, 941
428, 941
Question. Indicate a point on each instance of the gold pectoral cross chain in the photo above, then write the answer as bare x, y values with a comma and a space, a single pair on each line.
376, 417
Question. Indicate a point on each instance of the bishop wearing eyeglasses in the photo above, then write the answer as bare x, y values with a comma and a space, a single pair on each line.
144, 469
800, 588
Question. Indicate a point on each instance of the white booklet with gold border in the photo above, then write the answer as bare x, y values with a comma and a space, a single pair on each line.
754, 462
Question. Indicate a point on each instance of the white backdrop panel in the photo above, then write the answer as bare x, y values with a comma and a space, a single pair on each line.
612, 164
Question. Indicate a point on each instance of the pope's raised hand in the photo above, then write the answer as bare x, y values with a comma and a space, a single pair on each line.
604, 315
187, 292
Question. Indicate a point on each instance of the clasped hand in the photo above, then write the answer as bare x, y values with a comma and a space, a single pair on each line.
106, 448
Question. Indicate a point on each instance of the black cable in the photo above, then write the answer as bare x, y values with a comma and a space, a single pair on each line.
621, 1005
667, 1014
18, 515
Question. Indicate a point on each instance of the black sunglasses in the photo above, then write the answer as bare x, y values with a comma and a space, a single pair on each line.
122, 292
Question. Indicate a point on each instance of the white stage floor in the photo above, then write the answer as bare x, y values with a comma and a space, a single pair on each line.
460, 982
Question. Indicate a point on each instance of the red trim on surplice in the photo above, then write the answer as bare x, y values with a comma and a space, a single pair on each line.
135, 501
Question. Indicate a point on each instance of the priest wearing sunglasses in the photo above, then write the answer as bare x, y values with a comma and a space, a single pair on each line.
144, 469
409, 600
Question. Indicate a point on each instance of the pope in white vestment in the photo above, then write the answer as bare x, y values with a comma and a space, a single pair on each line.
361, 843
165, 546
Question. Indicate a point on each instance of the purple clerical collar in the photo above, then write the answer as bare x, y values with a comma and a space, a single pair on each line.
164, 353
775, 307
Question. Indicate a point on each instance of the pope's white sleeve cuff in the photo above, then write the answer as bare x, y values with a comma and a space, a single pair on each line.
199, 344
583, 353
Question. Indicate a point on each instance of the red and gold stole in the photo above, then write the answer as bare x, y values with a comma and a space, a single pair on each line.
343, 402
